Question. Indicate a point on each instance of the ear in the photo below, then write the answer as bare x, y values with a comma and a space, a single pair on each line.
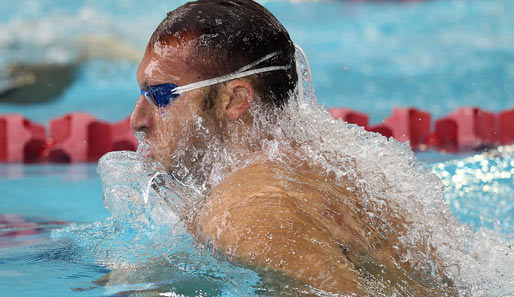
240, 95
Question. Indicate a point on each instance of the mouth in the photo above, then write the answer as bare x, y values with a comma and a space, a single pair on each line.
144, 149
148, 154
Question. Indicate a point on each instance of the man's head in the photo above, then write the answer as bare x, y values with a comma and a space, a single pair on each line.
203, 40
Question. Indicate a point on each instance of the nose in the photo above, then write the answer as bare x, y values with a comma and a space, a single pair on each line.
141, 118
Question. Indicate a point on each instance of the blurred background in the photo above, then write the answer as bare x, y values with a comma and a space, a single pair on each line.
59, 56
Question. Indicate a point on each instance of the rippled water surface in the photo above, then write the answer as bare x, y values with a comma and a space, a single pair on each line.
81, 253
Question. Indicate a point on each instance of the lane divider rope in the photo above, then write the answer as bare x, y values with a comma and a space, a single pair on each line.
80, 137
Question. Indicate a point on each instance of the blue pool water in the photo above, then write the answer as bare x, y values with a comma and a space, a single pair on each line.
39, 199
436, 55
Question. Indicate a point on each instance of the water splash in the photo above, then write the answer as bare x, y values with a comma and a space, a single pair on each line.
152, 206
397, 185
145, 242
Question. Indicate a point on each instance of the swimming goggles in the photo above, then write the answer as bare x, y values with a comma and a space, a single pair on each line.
164, 94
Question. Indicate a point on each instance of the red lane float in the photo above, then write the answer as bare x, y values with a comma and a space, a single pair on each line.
78, 137
466, 129
123, 138
381, 129
20, 139
506, 126
406, 124
350, 116
74, 137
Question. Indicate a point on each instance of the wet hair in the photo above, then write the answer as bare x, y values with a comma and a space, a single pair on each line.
229, 34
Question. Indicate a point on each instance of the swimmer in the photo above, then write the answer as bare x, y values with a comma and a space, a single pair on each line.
36, 83
26, 83
210, 69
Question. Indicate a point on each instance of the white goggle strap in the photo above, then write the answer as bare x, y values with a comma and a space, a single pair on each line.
242, 72
251, 65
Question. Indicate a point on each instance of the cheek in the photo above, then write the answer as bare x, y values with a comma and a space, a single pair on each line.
168, 131
174, 127
179, 128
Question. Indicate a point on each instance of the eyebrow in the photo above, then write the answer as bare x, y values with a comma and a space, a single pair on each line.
144, 84
147, 84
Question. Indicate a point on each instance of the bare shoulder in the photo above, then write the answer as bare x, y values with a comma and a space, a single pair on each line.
291, 221
249, 198
256, 216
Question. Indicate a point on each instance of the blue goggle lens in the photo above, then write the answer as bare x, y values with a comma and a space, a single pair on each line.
161, 95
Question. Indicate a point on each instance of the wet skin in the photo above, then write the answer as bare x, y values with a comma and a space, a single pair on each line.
166, 129
294, 220
284, 217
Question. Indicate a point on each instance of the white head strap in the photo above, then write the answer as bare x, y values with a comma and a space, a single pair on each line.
241, 72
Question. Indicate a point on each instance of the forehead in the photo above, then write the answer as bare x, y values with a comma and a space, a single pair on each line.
163, 63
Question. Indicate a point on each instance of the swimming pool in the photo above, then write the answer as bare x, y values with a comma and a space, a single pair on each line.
40, 199
75, 261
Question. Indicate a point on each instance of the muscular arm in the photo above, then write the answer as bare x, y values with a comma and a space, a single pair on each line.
260, 224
